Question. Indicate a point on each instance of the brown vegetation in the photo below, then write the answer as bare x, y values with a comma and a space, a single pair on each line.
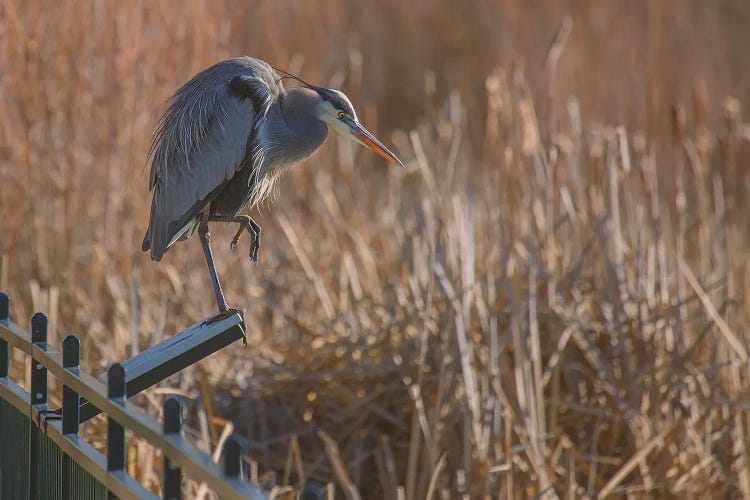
549, 299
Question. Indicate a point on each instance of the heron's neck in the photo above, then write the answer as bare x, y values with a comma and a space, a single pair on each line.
296, 132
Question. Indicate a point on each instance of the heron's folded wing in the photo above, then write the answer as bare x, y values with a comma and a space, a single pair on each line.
201, 143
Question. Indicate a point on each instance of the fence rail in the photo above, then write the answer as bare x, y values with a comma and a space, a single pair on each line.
42, 454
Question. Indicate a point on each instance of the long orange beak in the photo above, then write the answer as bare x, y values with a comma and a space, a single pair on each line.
364, 137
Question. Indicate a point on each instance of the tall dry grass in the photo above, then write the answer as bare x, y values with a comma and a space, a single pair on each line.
548, 301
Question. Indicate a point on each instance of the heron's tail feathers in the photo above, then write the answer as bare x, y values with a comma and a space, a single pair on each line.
161, 243
155, 239
146, 243
146, 246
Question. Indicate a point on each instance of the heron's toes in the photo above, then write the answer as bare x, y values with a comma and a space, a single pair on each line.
254, 248
241, 312
233, 310
222, 314
235, 240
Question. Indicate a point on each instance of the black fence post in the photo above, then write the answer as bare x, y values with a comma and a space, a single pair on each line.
38, 372
116, 450
71, 400
234, 449
172, 425
4, 306
71, 406
4, 350
6, 437
38, 397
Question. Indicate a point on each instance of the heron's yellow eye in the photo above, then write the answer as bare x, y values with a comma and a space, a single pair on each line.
341, 114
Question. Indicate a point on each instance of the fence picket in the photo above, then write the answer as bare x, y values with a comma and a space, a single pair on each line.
172, 472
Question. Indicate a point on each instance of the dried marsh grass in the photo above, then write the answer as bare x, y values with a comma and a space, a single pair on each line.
540, 305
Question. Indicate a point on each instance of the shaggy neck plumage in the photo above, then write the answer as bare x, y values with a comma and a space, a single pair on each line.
300, 132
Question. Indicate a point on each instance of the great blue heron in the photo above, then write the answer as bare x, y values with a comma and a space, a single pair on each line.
223, 142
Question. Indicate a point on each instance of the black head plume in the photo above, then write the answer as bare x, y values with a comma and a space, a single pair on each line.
293, 77
329, 95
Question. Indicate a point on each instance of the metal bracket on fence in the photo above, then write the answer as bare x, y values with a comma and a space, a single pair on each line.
172, 355
38, 372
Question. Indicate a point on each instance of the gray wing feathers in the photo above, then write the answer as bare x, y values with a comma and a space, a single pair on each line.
200, 143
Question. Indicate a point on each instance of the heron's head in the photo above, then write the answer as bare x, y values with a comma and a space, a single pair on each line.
335, 109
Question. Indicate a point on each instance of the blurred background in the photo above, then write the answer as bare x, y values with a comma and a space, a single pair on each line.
549, 300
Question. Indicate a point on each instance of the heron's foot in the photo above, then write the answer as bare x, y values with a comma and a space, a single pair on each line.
247, 224
254, 246
229, 311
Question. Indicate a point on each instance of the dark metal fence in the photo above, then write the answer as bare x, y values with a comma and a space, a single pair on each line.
43, 455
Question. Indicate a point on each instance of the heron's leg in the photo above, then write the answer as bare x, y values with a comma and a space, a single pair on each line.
224, 310
246, 224
205, 237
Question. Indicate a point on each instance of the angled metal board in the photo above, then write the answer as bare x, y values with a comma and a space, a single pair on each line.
174, 354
